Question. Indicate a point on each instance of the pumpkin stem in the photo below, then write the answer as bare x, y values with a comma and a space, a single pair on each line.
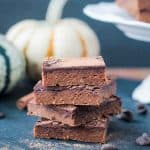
54, 11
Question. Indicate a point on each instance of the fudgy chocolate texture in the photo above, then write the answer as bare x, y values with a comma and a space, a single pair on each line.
143, 16
138, 8
73, 71
74, 95
92, 132
76, 115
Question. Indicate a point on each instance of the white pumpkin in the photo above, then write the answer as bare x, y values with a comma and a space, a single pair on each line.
55, 37
12, 65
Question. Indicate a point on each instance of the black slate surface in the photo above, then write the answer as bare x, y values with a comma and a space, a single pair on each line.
16, 128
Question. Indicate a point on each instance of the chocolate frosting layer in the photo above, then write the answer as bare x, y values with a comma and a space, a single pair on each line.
51, 64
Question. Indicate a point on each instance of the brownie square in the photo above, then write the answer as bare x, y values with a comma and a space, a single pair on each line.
76, 115
140, 9
73, 71
92, 132
74, 95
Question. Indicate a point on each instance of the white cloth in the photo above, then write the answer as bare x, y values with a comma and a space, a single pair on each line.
142, 92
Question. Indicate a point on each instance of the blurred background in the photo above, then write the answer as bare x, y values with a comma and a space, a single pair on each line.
117, 50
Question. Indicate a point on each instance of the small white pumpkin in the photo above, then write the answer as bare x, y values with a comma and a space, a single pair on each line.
12, 65
55, 37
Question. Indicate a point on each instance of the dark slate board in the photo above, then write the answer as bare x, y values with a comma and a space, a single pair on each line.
16, 128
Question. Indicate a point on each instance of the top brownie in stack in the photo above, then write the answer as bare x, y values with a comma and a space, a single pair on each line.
68, 72
138, 8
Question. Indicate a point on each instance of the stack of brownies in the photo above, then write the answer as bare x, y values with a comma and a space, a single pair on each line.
138, 8
74, 100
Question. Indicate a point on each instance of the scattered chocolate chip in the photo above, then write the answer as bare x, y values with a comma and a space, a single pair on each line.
125, 115
109, 147
2, 115
143, 140
141, 109
39, 120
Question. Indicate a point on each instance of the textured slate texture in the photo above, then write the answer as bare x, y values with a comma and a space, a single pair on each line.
16, 128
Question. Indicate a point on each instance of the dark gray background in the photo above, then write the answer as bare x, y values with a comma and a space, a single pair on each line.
116, 48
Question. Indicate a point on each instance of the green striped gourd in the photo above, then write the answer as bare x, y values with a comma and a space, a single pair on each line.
12, 65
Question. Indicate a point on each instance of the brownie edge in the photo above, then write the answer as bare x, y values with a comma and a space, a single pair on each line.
92, 132
76, 115
74, 95
73, 71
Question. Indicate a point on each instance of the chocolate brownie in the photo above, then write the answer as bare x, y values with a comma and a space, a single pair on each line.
74, 95
138, 8
73, 71
143, 16
92, 132
75, 115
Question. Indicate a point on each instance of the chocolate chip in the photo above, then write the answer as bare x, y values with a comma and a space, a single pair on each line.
141, 109
143, 140
109, 147
39, 120
125, 115
2, 115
